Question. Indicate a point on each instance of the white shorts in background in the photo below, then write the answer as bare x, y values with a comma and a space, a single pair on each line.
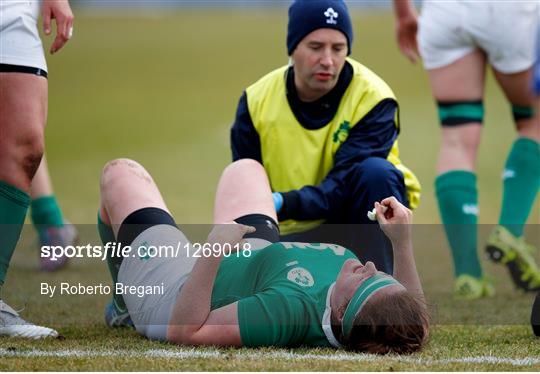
504, 30
20, 43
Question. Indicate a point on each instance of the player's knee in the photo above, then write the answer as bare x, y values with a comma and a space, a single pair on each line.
119, 165
458, 113
243, 168
119, 168
31, 163
28, 155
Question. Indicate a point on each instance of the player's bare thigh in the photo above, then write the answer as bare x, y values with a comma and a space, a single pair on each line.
23, 113
126, 187
462, 80
517, 89
243, 189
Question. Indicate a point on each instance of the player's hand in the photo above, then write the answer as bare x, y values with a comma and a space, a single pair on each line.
60, 11
395, 220
406, 30
231, 233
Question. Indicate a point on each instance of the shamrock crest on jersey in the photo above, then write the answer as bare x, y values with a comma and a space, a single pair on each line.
301, 277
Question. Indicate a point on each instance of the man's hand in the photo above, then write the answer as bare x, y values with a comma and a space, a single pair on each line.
395, 221
61, 12
231, 233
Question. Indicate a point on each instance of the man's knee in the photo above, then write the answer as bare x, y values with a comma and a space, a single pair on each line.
374, 172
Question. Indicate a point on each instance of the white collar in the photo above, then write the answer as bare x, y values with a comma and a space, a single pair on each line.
326, 322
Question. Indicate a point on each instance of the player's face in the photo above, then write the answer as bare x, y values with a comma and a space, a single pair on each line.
352, 275
318, 60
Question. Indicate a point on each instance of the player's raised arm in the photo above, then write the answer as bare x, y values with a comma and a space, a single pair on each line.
396, 222
191, 321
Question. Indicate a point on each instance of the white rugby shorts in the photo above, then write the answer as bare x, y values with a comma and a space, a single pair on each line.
20, 43
504, 30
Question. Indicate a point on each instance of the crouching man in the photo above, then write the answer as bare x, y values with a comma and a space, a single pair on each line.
274, 293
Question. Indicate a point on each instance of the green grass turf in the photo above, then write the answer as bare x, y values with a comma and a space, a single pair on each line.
162, 89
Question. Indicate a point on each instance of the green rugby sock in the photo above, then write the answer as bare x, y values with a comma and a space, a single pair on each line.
521, 180
46, 212
13, 207
107, 235
458, 204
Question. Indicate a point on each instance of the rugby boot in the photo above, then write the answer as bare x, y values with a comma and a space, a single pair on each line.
114, 317
467, 287
12, 325
518, 256
63, 236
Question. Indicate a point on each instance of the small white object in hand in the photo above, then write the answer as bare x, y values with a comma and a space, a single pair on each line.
372, 214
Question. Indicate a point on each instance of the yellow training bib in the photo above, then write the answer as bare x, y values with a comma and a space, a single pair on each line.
294, 156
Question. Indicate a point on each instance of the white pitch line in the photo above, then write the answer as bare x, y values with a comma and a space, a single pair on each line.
194, 353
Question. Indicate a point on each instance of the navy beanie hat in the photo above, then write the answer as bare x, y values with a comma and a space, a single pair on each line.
306, 16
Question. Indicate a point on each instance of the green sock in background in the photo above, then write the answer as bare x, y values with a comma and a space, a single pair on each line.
13, 207
521, 180
107, 235
46, 211
457, 197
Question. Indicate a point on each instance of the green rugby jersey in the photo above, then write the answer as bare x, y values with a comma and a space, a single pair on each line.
281, 292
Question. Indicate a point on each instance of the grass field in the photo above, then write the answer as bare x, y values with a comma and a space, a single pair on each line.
162, 89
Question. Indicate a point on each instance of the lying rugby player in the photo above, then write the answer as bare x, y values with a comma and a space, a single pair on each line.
274, 294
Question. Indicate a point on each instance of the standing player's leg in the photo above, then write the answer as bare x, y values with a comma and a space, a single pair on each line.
535, 312
461, 111
47, 218
243, 195
535, 316
521, 181
23, 110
